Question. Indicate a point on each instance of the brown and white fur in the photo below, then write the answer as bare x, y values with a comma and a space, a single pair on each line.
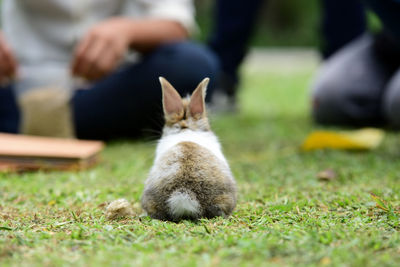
190, 177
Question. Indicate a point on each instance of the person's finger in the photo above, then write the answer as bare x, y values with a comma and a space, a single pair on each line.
3, 76
87, 67
94, 70
79, 53
11, 60
6, 69
106, 63
7, 61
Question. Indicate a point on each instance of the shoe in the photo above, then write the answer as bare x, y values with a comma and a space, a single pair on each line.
224, 98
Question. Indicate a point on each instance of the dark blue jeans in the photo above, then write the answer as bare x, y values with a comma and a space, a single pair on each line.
128, 102
234, 22
341, 22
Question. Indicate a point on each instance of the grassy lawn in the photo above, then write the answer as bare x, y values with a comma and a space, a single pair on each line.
285, 215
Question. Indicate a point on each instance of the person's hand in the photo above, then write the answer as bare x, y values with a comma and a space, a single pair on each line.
8, 64
101, 49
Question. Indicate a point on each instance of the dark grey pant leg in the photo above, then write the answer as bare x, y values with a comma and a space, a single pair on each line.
348, 89
391, 101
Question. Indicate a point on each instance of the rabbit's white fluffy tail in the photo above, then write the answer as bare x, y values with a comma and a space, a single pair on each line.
182, 204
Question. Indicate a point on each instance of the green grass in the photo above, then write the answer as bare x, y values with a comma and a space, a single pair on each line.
285, 216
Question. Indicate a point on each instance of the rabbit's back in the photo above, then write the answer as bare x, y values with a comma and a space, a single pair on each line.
189, 181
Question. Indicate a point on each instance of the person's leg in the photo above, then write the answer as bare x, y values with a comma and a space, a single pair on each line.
388, 11
234, 22
342, 21
387, 41
9, 111
128, 103
349, 88
391, 101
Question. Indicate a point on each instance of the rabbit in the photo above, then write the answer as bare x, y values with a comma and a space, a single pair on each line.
190, 177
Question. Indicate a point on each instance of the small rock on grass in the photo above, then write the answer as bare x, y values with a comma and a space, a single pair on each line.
327, 175
119, 208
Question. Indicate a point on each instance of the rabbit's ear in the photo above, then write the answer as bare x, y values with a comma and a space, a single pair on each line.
172, 101
197, 104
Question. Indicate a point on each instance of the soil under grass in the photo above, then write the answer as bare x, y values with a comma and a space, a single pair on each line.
285, 215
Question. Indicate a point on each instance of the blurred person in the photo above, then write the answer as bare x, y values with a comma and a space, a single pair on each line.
235, 21
360, 84
341, 22
120, 47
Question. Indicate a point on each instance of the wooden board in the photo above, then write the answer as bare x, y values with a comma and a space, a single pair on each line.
22, 152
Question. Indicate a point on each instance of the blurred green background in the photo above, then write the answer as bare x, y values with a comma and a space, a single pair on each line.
280, 23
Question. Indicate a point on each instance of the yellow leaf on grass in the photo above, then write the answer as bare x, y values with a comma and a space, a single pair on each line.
368, 138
